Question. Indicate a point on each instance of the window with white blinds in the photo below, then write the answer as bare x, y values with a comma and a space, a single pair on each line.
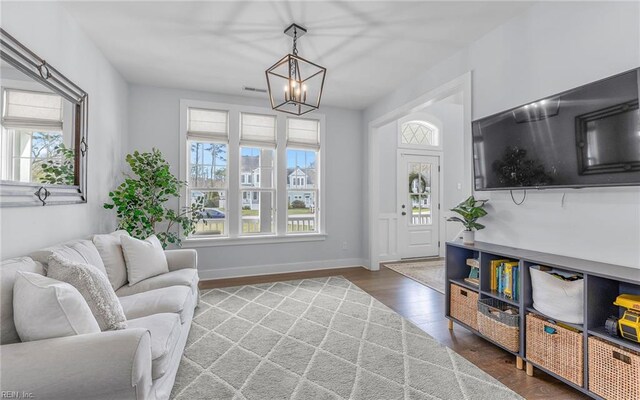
303, 133
30, 109
208, 169
257, 172
257, 183
208, 123
257, 129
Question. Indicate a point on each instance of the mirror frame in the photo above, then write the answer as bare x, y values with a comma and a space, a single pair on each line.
21, 194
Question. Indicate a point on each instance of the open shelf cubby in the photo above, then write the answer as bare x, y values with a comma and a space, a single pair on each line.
602, 284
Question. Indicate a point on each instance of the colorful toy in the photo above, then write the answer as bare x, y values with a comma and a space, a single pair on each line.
629, 325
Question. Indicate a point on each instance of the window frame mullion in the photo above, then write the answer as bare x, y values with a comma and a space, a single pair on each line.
233, 174
281, 179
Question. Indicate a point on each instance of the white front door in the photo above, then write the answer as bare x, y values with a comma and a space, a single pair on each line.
418, 205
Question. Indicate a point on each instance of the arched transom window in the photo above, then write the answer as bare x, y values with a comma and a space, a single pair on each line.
419, 133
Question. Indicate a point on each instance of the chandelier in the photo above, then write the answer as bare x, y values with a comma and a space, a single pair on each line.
295, 84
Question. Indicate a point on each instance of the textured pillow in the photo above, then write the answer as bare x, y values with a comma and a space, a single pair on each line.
94, 286
145, 258
45, 308
111, 253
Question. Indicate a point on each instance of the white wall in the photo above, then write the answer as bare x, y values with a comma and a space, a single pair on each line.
549, 48
453, 172
154, 122
387, 149
51, 33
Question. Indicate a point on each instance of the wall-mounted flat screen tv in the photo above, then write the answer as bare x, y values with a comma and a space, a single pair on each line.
587, 136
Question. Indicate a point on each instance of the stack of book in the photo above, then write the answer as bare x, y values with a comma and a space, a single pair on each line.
474, 274
505, 278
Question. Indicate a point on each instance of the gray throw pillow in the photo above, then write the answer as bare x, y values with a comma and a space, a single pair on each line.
94, 286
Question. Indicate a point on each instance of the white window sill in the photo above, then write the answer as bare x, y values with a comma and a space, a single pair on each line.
194, 242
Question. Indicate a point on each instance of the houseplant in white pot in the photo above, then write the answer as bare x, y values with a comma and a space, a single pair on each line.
470, 211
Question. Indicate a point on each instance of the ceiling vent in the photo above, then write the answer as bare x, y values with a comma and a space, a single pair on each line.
252, 89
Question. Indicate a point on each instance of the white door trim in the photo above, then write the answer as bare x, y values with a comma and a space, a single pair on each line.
427, 153
462, 83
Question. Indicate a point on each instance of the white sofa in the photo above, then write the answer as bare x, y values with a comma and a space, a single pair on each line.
139, 362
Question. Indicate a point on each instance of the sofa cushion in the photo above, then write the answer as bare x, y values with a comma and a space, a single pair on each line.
94, 287
174, 299
145, 258
82, 251
165, 331
45, 308
110, 250
182, 277
8, 270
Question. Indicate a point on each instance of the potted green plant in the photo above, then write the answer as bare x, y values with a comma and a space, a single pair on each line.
140, 201
470, 211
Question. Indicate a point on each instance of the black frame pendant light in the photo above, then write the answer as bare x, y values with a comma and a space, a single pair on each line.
295, 85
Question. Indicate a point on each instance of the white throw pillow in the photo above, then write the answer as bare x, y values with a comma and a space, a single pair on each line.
45, 308
110, 250
94, 286
145, 258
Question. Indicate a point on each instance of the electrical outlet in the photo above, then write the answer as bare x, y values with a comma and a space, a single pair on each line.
345, 246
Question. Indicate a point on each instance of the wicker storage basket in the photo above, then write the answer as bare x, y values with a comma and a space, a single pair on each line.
464, 305
498, 325
614, 372
555, 348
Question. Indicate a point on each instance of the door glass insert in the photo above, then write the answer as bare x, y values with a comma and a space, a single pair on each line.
419, 133
419, 185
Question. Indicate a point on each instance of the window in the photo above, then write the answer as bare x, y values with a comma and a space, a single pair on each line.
207, 144
257, 157
32, 135
258, 171
303, 144
419, 133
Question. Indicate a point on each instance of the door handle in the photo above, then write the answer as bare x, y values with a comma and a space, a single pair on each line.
404, 213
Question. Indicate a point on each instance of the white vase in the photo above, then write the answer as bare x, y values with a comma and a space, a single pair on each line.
467, 237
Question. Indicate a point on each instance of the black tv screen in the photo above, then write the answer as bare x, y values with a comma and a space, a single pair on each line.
588, 136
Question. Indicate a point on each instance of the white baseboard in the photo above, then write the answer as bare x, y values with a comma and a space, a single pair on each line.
238, 272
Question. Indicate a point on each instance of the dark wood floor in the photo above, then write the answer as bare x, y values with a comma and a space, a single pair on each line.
425, 308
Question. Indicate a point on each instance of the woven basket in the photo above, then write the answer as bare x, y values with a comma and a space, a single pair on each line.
497, 325
464, 305
614, 372
555, 348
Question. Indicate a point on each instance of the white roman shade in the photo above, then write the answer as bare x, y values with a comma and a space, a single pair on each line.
256, 129
27, 109
208, 124
303, 133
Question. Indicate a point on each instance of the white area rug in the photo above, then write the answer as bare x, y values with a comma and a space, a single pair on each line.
429, 273
318, 338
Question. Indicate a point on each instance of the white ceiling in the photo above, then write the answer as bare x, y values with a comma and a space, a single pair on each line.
369, 48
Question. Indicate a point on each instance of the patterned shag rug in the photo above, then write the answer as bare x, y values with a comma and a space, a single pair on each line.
318, 338
429, 273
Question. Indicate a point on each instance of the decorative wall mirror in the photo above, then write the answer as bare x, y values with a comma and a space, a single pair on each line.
43, 138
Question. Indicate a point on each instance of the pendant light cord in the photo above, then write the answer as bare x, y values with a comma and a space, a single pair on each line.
523, 197
295, 39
